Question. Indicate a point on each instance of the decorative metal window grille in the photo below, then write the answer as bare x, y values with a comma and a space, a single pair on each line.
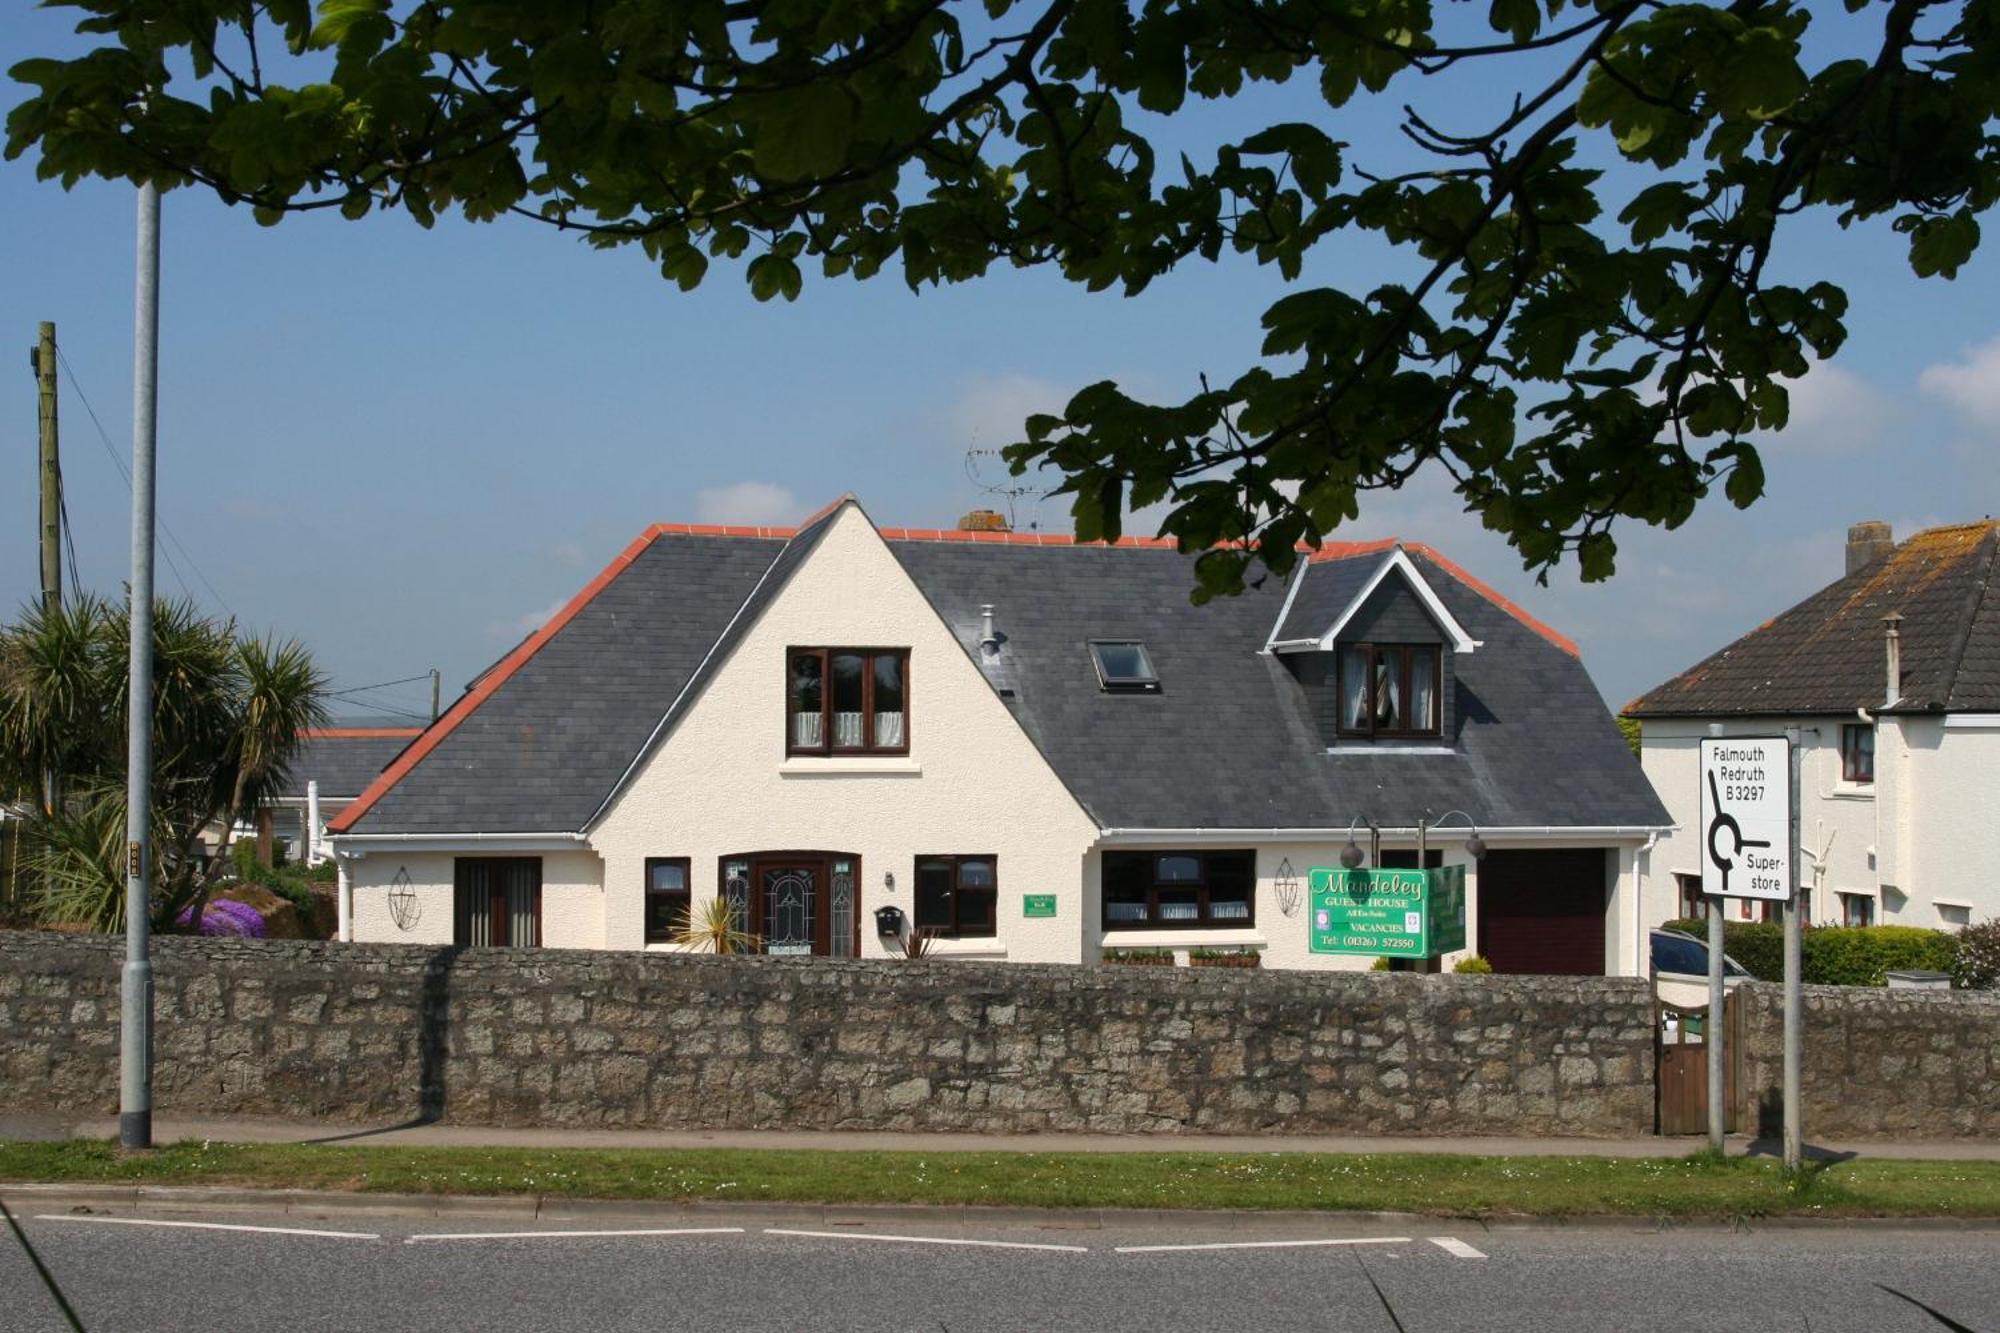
840, 914
405, 909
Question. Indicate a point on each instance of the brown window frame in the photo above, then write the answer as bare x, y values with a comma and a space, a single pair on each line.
499, 924
1203, 919
826, 747
686, 895
1857, 905
1404, 657
958, 929
1851, 755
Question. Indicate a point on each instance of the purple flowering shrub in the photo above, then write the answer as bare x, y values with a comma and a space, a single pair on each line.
223, 917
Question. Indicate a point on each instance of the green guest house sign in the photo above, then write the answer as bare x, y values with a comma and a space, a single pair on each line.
1393, 913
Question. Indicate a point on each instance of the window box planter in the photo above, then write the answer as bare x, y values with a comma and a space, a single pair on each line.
1140, 957
1225, 958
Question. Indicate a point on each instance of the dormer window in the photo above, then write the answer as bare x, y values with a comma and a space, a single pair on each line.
1388, 689
1124, 666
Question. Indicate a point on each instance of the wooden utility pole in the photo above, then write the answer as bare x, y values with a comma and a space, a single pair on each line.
51, 468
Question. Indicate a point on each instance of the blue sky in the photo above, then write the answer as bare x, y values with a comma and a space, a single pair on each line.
406, 448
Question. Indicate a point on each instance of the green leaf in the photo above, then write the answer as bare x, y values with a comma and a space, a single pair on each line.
774, 275
1939, 247
804, 135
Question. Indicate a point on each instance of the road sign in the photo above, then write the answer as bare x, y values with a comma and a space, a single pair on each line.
1395, 913
1746, 817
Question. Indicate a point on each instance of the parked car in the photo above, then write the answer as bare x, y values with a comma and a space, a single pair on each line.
1680, 968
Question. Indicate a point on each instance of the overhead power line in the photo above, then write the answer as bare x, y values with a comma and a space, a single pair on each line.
125, 474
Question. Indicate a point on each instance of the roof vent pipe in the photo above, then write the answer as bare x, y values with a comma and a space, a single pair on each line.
989, 641
1892, 645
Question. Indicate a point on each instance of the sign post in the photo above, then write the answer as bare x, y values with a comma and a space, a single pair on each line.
1748, 851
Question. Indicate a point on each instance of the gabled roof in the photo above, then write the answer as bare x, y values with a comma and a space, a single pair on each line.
1326, 594
547, 737
1826, 655
343, 760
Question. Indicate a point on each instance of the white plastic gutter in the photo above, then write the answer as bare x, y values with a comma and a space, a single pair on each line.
1548, 832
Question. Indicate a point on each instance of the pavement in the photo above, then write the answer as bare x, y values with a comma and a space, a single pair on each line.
241, 1129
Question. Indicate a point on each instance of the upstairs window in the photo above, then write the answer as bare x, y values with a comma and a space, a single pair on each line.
1173, 890
847, 701
1857, 752
957, 896
1124, 666
1388, 689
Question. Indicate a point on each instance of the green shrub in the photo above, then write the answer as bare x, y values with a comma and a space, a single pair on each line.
1473, 964
1861, 955
1833, 955
1380, 965
1976, 964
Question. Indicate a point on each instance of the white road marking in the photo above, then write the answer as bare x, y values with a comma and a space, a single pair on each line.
1263, 1244
1454, 1246
567, 1235
929, 1240
207, 1226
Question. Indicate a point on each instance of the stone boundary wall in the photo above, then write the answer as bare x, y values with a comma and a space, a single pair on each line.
386, 1033
1878, 1063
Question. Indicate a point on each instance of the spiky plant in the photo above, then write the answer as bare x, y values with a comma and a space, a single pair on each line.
712, 928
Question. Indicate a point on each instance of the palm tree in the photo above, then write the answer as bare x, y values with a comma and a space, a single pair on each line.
228, 714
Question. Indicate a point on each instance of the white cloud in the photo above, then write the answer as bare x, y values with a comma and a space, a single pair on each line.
521, 626
1970, 385
751, 503
1834, 412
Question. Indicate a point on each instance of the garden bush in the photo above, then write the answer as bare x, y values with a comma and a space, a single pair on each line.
1833, 955
1976, 965
1473, 964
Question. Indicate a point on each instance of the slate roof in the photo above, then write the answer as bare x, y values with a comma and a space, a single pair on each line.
1826, 655
1229, 741
1328, 589
344, 760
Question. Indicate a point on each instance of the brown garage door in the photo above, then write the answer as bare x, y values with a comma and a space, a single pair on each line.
1543, 911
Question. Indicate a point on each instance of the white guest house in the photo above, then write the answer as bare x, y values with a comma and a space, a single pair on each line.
1036, 749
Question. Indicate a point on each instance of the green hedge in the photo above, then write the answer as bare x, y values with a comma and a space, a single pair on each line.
1833, 955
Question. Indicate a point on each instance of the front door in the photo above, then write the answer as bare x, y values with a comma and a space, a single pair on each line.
798, 903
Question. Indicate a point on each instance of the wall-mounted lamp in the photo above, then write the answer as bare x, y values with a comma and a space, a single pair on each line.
1351, 855
1475, 845
888, 881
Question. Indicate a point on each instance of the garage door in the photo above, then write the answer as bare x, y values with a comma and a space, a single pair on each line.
1543, 911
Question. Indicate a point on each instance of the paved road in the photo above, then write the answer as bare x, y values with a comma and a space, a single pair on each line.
729, 1270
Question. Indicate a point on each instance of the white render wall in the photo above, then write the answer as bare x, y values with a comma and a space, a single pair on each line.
973, 783
572, 897
1915, 836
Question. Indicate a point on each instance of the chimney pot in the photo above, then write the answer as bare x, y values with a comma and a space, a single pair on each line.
989, 640
1892, 652
1868, 542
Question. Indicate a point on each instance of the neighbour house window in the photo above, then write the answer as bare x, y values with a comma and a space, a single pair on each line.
1388, 689
497, 900
957, 895
667, 898
1857, 752
1124, 666
1693, 906
847, 701
1179, 890
1857, 909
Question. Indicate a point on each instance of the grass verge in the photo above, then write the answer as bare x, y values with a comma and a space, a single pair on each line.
1460, 1186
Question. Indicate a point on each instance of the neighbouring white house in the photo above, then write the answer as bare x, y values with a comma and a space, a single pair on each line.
333, 766
1037, 749
1890, 679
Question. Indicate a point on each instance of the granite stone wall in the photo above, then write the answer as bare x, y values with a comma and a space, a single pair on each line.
1877, 1063
385, 1033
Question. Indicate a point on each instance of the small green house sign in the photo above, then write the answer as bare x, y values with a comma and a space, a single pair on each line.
1038, 904
1393, 913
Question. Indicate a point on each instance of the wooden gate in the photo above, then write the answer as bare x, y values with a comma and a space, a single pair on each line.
1680, 1041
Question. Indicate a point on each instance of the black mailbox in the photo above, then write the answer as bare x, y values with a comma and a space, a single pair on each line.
889, 922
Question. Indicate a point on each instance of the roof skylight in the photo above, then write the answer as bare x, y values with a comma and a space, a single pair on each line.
1124, 665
